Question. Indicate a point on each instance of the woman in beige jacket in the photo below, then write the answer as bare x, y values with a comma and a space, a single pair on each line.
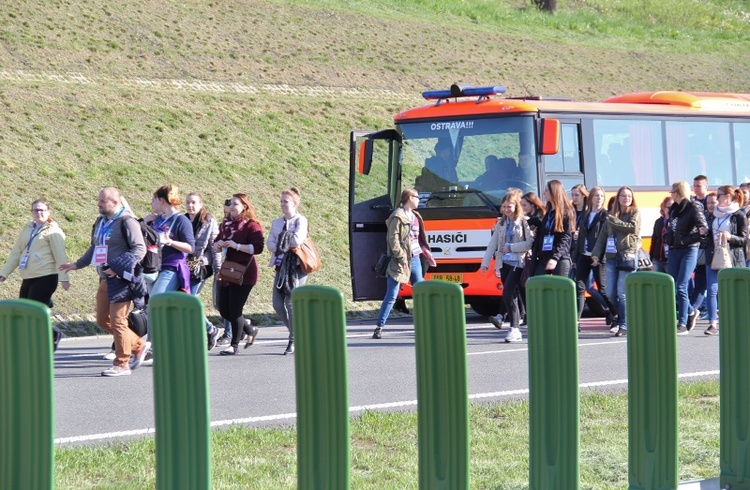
406, 243
511, 239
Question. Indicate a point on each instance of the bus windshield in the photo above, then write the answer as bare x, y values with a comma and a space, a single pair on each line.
468, 162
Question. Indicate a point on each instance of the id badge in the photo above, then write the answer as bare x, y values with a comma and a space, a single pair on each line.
611, 248
278, 260
666, 250
100, 255
24, 261
547, 244
507, 257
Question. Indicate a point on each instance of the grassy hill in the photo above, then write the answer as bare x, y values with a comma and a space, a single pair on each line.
252, 96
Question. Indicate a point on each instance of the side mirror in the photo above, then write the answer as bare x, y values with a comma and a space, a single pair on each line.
549, 137
364, 161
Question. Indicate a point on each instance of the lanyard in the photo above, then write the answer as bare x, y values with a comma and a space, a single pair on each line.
105, 228
160, 224
34, 233
721, 222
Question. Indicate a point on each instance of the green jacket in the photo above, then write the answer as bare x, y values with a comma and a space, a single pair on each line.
627, 230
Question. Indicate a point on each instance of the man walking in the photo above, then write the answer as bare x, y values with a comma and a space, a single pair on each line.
116, 250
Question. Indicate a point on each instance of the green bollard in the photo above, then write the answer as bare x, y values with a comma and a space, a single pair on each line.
442, 385
734, 345
181, 402
652, 382
554, 401
320, 368
27, 455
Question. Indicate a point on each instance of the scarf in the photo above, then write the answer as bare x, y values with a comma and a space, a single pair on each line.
724, 211
287, 277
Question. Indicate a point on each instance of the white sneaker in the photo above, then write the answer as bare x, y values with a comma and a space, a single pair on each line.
149, 359
110, 356
115, 371
497, 321
140, 356
614, 328
513, 335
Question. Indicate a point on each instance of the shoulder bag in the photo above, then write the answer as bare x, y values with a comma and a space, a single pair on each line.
381, 268
644, 261
309, 259
232, 272
722, 258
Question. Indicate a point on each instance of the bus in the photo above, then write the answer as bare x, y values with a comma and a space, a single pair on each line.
468, 145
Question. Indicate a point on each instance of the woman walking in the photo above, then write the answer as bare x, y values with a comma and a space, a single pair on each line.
550, 253
687, 224
203, 262
728, 225
590, 226
176, 241
406, 242
287, 232
658, 251
241, 235
619, 241
511, 239
37, 254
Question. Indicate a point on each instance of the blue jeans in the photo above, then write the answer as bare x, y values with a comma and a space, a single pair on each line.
616, 289
680, 265
392, 287
712, 280
166, 281
195, 289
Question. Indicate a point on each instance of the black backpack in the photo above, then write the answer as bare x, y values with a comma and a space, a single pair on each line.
151, 262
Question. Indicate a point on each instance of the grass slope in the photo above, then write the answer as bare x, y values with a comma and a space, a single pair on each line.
220, 97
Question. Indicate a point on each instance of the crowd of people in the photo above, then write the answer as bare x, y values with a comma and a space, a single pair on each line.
598, 247
580, 238
188, 247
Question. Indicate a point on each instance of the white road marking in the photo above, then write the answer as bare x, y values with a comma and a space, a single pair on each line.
360, 408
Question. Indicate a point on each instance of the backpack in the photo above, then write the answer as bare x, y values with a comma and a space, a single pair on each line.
151, 262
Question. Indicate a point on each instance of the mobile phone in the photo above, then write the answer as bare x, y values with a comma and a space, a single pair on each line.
228, 202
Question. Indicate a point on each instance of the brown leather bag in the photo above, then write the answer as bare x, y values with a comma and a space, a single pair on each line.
309, 259
232, 272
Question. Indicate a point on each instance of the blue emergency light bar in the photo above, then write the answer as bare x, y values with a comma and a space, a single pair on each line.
457, 90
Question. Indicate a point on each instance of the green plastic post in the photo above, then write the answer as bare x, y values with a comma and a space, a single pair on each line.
323, 443
181, 402
652, 382
26, 396
554, 402
734, 346
442, 385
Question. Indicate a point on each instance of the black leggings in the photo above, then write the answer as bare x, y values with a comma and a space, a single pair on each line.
511, 276
39, 288
231, 300
583, 270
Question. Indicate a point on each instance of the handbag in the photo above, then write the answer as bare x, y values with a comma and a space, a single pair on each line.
722, 258
381, 268
198, 270
232, 272
625, 261
309, 259
644, 260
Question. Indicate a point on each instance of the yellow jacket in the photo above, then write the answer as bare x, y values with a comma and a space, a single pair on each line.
46, 254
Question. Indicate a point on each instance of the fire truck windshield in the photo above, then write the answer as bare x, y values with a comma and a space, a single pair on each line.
468, 162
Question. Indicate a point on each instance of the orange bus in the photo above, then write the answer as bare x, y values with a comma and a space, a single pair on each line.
643, 140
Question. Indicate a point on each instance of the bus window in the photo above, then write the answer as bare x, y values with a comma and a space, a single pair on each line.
699, 148
568, 159
629, 152
468, 163
742, 151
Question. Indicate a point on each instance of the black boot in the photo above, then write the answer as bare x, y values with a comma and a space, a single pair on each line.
376, 333
289, 347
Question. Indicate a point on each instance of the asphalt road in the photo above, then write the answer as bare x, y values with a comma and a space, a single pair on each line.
256, 387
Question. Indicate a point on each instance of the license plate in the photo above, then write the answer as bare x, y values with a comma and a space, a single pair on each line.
457, 278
